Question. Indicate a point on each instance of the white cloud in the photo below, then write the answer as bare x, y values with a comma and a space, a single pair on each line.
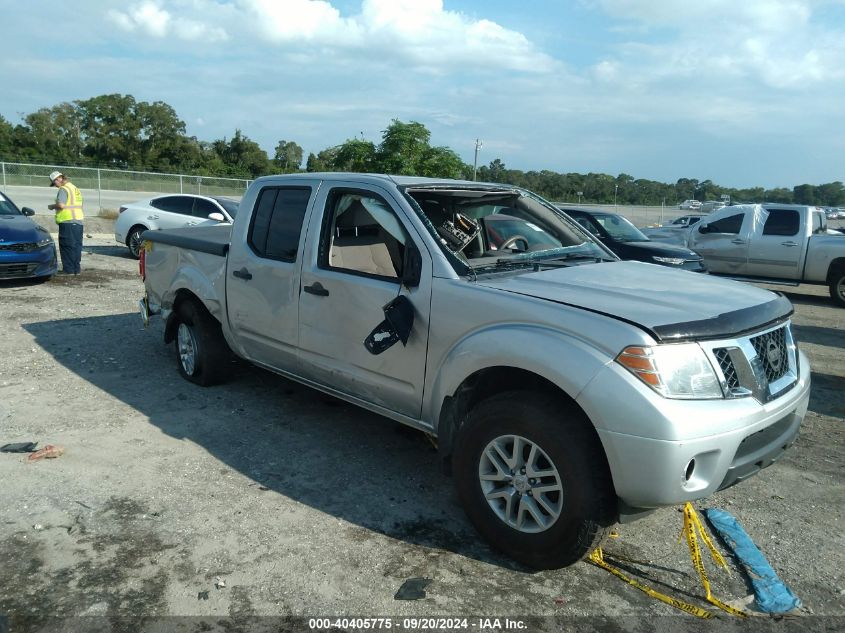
775, 43
150, 19
419, 34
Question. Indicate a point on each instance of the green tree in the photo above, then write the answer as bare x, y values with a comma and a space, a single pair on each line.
804, 194
162, 141
781, 194
243, 157
441, 162
355, 155
54, 134
831, 194
402, 148
7, 137
288, 157
111, 130
322, 161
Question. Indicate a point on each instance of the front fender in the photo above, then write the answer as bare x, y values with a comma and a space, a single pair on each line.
563, 359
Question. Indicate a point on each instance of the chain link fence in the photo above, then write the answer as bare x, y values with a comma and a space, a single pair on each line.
99, 180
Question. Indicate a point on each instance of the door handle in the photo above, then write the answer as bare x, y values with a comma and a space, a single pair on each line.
737, 241
790, 243
243, 273
316, 289
152, 217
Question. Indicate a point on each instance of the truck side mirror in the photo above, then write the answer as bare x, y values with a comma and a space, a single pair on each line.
397, 325
411, 266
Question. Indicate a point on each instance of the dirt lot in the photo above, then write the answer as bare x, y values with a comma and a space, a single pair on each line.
264, 498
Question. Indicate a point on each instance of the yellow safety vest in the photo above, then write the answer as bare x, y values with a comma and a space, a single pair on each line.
73, 207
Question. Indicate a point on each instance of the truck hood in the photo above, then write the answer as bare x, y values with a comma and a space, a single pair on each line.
671, 305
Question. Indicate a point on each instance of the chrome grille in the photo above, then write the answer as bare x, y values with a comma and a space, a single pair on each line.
763, 365
771, 350
20, 247
727, 367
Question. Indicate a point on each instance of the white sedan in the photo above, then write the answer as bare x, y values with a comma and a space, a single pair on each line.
170, 212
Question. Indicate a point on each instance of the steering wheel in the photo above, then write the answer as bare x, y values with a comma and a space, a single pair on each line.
513, 239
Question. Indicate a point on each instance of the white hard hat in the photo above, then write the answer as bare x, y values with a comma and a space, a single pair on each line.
54, 175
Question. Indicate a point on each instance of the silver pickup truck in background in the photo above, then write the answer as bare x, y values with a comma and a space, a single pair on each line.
567, 390
777, 243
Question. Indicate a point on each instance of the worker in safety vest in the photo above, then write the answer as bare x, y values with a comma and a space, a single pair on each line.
68, 208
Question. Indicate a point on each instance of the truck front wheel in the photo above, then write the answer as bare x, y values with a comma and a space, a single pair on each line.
201, 351
837, 286
533, 478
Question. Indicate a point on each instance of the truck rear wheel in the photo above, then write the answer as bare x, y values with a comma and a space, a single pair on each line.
837, 286
201, 351
533, 478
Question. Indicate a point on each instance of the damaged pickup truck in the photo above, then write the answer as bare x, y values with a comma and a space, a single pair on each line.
567, 390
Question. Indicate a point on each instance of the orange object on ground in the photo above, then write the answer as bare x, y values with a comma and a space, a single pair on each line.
48, 452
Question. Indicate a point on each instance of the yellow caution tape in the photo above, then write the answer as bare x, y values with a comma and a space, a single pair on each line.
597, 558
692, 524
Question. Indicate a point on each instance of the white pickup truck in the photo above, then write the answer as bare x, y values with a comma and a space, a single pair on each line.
566, 389
779, 243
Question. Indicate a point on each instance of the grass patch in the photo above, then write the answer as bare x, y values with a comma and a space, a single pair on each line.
108, 214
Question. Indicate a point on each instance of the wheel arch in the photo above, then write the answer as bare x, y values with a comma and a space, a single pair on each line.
182, 296
503, 358
135, 225
485, 383
836, 267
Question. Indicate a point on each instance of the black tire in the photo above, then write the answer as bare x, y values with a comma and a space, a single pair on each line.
133, 240
202, 354
586, 503
837, 286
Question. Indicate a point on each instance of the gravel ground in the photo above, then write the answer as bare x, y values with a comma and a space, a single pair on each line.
246, 506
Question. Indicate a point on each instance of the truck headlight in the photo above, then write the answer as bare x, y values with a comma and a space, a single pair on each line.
674, 261
674, 371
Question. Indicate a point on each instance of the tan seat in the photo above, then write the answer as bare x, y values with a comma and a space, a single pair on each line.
360, 243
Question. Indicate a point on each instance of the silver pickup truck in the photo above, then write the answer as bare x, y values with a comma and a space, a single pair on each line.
779, 243
567, 390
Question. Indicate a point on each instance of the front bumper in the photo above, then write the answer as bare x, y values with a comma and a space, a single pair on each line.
664, 452
40, 262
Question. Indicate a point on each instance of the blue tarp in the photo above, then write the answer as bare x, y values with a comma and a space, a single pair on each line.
771, 594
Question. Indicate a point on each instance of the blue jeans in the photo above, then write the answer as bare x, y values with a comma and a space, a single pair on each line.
70, 246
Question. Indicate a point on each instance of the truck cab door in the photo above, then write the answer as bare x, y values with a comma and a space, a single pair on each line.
722, 241
263, 268
353, 266
777, 249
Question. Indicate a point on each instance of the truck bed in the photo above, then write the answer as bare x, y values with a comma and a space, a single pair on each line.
206, 239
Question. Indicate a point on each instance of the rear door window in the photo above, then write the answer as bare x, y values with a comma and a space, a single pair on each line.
782, 222
277, 222
174, 204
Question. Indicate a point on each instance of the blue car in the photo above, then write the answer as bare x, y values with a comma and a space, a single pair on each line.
26, 249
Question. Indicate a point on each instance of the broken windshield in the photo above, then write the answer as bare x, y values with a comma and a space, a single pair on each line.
485, 226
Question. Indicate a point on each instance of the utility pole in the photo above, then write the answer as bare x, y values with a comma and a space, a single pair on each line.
478, 145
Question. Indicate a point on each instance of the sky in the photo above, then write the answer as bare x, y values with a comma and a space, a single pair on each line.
741, 92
